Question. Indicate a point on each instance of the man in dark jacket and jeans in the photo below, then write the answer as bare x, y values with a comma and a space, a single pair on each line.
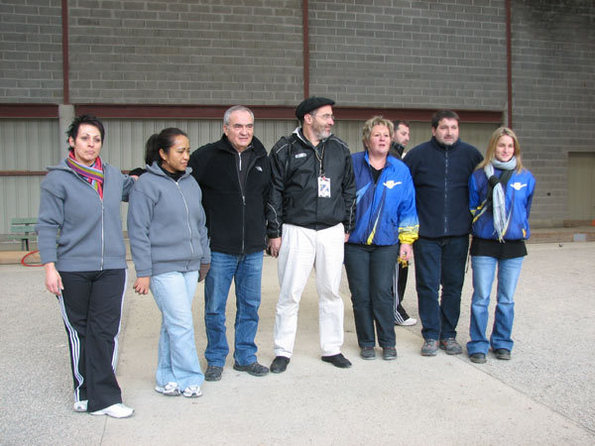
313, 203
234, 175
440, 169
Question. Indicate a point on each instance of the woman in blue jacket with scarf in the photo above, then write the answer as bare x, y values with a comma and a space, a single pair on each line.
500, 197
386, 225
168, 241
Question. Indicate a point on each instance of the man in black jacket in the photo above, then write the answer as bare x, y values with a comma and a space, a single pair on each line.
234, 175
440, 169
400, 139
313, 210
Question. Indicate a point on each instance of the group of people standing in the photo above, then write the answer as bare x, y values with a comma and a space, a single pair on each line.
211, 214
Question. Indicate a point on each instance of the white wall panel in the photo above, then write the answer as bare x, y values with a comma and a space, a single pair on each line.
19, 197
125, 139
25, 144
35, 144
581, 186
30, 144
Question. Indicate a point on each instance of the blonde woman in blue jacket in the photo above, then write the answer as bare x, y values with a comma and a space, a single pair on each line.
168, 241
500, 197
386, 226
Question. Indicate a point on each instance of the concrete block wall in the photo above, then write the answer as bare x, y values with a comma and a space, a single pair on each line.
186, 52
379, 53
30, 51
427, 54
553, 93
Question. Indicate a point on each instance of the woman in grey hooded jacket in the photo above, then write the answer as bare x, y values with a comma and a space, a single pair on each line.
168, 240
82, 250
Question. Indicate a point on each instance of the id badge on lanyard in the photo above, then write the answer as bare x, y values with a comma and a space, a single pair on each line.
324, 183
324, 187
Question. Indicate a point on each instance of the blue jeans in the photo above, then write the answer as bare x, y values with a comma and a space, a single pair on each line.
440, 262
370, 276
177, 357
483, 276
246, 271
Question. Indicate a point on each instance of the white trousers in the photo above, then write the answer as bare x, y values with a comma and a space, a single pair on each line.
302, 249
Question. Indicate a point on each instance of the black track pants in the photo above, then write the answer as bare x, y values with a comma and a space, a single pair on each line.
91, 305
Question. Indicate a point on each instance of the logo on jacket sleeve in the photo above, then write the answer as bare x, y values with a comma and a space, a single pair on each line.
390, 184
518, 186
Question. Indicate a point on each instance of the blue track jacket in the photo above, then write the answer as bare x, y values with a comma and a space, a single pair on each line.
385, 212
519, 196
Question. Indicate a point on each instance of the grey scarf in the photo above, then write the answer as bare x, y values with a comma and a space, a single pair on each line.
501, 217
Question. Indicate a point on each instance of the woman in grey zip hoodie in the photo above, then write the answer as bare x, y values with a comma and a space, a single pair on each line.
82, 250
169, 244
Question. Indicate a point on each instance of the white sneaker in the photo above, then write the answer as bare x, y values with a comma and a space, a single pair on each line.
170, 389
80, 406
118, 410
407, 322
192, 392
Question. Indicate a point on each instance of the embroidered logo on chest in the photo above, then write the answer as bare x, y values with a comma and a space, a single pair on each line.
518, 186
390, 184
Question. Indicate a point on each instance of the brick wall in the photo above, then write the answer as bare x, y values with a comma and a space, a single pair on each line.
377, 53
30, 51
186, 52
427, 54
553, 93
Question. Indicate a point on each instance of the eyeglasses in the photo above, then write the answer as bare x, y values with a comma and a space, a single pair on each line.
324, 117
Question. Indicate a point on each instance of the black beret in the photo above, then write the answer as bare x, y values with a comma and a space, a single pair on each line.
312, 103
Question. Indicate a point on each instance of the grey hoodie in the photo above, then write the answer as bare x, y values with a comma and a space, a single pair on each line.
77, 230
166, 224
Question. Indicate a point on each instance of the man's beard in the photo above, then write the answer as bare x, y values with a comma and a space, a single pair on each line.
321, 132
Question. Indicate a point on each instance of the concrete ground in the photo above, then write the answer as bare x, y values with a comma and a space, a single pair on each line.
545, 395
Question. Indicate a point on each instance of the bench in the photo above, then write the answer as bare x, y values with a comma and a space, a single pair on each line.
23, 229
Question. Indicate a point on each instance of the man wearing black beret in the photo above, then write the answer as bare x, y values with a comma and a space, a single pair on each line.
313, 202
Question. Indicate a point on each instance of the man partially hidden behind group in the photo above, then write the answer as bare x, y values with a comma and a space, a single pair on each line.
400, 139
313, 199
234, 175
440, 169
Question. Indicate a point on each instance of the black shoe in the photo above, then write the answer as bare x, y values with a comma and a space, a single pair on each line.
213, 373
279, 364
254, 369
451, 346
337, 360
478, 358
367, 353
389, 353
502, 353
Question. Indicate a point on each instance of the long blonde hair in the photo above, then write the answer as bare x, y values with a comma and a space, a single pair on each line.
491, 152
